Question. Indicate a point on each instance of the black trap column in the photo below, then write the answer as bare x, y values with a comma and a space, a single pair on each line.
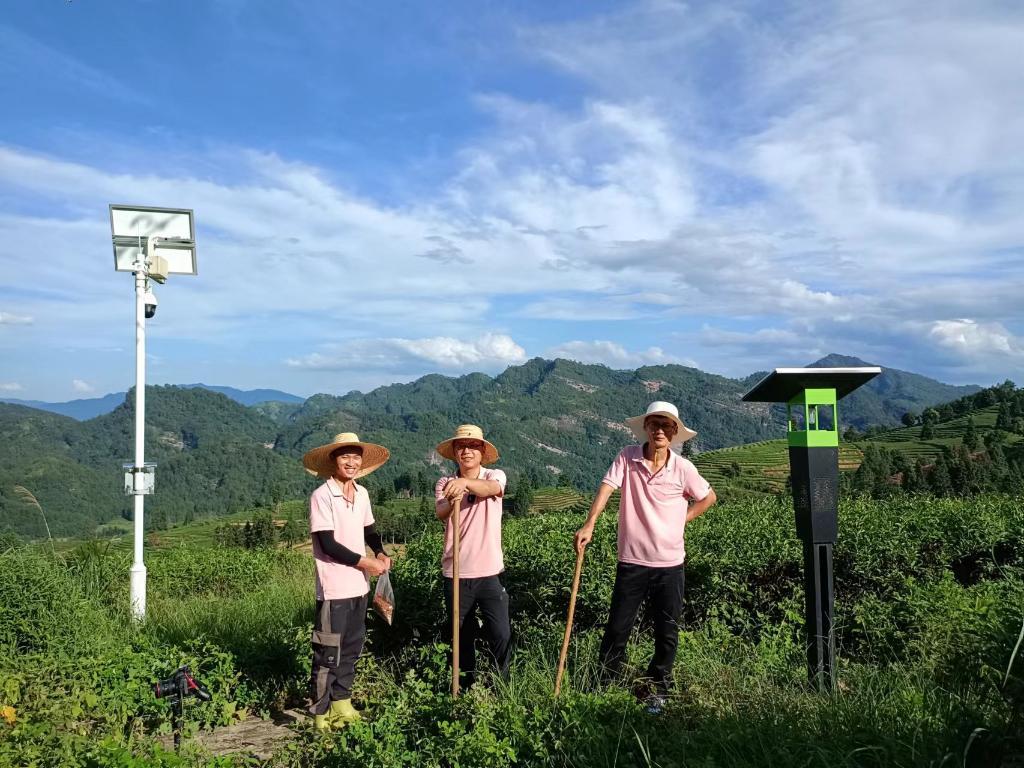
815, 479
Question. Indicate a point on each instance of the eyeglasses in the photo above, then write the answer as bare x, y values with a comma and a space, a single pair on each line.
468, 446
664, 426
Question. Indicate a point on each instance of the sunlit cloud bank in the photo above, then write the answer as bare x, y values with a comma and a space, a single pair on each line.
734, 189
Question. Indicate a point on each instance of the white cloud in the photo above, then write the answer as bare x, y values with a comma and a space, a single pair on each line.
607, 306
615, 355
773, 337
10, 386
902, 123
846, 177
489, 351
593, 308
760, 349
972, 339
9, 318
82, 387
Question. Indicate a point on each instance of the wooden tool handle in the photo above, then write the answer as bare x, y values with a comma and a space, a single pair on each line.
456, 524
568, 622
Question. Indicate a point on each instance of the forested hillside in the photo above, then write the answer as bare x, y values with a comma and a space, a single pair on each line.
885, 399
549, 418
553, 420
91, 407
972, 445
213, 456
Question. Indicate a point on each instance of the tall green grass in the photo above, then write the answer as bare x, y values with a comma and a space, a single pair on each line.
930, 605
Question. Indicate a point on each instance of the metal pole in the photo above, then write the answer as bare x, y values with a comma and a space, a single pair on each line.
138, 572
456, 541
819, 606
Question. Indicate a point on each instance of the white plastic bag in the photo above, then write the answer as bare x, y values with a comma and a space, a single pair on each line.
384, 598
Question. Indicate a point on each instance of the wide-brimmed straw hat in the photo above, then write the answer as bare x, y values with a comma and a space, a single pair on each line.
661, 408
318, 461
468, 432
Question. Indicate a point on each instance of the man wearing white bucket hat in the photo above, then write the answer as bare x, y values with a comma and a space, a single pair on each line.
661, 492
342, 525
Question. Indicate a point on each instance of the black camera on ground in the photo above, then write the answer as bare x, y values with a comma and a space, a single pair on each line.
181, 684
176, 689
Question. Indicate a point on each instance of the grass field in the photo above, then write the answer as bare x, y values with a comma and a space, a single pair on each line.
930, 604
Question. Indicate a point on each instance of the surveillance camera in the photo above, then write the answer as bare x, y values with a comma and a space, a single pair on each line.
149, 299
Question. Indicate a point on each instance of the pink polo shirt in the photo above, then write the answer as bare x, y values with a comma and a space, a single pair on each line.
652, 510
329, 510
480, 544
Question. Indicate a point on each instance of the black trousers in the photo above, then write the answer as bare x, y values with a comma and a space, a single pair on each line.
339, 629
489, 596
663, 589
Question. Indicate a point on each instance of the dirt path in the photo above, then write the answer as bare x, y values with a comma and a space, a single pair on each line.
252, 736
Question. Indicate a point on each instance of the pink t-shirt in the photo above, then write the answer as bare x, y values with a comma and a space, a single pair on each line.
652, 510
329, 510
480, 531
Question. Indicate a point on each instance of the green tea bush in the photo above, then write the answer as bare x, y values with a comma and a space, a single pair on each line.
99, 571
929, 608
42, 745
744, 565
258, 603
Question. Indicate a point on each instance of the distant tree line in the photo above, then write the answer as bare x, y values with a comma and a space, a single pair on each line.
216, 457
959, 471
261, 531
1010, 417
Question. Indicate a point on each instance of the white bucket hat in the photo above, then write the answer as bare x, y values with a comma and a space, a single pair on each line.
661, 408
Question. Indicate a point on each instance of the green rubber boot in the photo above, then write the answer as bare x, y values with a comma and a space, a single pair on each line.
342, 713
322, 722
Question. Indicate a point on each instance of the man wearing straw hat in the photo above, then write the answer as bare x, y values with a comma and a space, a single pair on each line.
342, 525
661, 492
480, 490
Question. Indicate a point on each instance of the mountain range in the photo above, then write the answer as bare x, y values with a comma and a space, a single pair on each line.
551, 419
91, 407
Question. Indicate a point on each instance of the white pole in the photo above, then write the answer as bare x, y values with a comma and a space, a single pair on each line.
138, 578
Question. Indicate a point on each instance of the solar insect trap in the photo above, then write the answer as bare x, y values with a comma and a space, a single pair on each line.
812, 431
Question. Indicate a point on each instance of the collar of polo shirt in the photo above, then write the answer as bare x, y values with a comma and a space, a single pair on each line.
672, 457
335, 487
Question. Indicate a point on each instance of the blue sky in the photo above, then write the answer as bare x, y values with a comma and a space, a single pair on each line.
387, 190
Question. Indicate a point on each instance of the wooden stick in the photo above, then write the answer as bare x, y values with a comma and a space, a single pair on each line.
568, 622
456, 541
